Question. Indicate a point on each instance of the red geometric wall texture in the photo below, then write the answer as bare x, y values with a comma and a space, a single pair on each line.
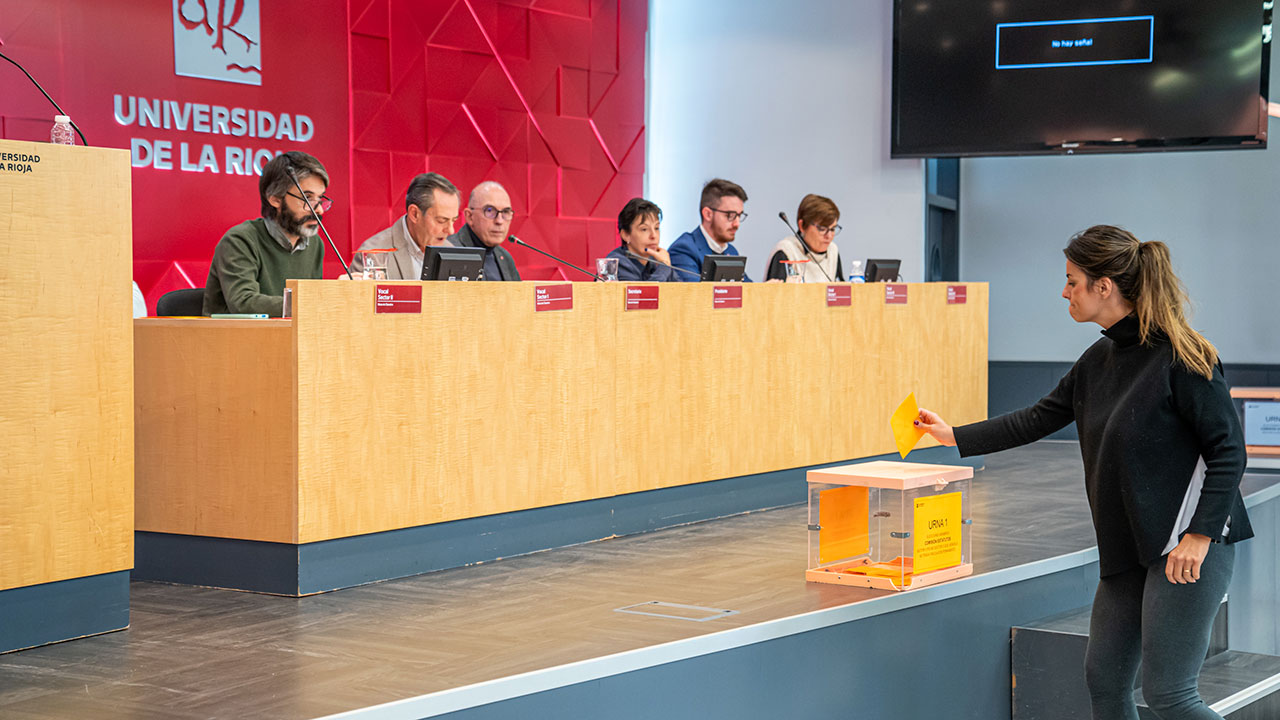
544, 96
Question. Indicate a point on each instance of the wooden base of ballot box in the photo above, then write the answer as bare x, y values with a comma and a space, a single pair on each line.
864, 573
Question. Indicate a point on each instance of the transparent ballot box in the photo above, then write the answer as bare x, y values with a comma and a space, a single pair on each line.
889, 525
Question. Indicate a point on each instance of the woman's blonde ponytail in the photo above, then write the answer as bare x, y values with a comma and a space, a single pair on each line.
1143, 272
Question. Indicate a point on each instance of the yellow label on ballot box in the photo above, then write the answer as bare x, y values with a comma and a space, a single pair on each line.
937, 532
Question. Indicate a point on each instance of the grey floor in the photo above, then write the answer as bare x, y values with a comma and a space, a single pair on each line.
197, 653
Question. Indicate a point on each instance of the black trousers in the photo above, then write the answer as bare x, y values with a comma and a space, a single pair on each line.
1139, 617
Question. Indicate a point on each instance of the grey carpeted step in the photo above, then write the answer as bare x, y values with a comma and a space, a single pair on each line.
1048, 665
1239, 685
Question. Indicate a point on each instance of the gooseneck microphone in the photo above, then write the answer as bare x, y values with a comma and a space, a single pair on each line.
293, 175
566, 263
782, 214
656, 261
46, 96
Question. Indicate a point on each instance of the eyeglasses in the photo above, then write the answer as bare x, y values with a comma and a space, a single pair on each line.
823, 229
731, 215
324, 202
492, 212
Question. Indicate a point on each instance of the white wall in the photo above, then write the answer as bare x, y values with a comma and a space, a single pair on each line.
784, 99
1218, 211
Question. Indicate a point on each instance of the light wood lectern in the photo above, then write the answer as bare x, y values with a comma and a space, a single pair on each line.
66, 392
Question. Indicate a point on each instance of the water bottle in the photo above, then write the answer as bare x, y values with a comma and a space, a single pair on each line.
856, 272
62, 133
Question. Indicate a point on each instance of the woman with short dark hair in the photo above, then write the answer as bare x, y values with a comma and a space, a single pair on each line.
640, 257
1163, 457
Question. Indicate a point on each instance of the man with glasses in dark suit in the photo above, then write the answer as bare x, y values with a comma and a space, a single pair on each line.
253, 259
721, 209
488, 223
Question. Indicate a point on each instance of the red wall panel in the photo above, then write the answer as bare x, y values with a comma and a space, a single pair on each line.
86, 52
547, 97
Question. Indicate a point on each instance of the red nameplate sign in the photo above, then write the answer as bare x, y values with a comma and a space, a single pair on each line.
397, 299
552, 297
895, 294
642, 297
957, 294
839, 296
726, 296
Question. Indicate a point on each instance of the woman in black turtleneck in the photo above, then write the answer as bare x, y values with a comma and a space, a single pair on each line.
1163, 456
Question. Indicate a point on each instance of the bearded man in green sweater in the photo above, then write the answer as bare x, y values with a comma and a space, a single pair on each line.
253, 260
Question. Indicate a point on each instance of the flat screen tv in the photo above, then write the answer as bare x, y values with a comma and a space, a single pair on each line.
1029, 77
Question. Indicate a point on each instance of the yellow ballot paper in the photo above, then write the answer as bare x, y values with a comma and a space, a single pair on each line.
905, 433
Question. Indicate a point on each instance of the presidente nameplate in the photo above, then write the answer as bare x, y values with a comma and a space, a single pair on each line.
726, 296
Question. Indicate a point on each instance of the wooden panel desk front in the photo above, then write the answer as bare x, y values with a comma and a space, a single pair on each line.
66, 364
66, 392
343, 422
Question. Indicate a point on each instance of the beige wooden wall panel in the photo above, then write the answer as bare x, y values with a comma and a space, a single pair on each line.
481, 406
954, 380
66, 365
738, 388
650, 445
216, 428
476, 406
855, 375
927, 347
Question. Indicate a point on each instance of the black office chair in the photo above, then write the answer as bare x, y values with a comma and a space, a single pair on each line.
181, 302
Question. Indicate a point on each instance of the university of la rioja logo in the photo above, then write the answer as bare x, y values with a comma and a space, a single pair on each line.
218, 40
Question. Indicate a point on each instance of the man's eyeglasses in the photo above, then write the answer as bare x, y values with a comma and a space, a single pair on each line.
324, 202
823, 229
731, 215
492, 212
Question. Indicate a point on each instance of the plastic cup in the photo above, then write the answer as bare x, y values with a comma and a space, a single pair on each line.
374, 263
607, 269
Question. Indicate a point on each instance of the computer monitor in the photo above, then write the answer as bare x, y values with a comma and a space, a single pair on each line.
882, 270
452, 263
724, 268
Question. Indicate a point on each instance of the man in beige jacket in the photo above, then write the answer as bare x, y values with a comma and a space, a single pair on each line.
431, 210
